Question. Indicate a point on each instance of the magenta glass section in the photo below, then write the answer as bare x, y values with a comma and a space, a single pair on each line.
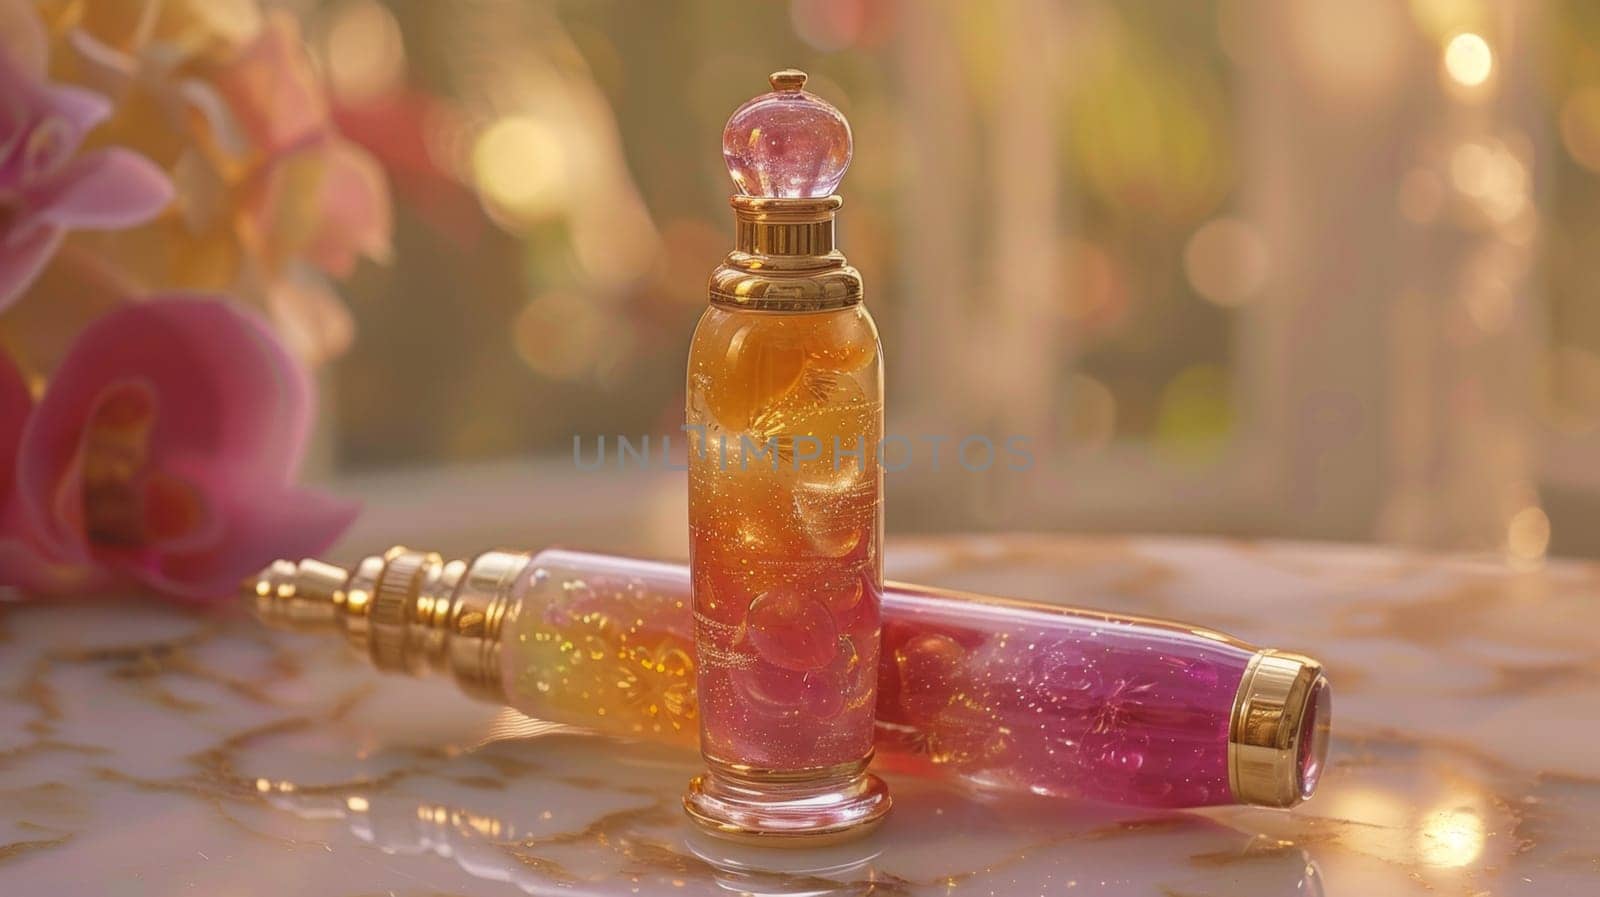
1057, 701
787, 143
1012, 695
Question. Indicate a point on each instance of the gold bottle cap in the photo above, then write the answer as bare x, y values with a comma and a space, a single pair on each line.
787, 79
786, 152
299, 595
409, 611
1278, 735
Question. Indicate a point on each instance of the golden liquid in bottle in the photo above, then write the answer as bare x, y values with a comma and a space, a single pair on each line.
785, 416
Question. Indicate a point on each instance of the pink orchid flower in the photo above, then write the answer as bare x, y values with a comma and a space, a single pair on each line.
163, 454
46, 186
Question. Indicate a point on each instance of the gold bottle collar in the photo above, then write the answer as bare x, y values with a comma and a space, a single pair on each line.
1275, 753
785, 259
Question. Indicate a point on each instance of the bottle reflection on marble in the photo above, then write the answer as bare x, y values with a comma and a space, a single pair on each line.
535, 852
1013, 695
522, 835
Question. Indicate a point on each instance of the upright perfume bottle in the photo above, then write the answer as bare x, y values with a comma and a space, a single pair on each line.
785, 416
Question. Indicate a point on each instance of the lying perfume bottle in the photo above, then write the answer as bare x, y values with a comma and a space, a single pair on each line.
1011, 695
784, 416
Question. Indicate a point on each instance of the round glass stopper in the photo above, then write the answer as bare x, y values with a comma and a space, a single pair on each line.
787, 143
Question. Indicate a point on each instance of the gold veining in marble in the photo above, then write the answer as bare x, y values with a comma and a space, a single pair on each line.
257, 763
16, 849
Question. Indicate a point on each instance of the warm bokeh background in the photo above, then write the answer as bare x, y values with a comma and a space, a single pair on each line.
1261, 267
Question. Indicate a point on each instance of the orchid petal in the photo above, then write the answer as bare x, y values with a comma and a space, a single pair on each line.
26, 566
24, 562
100, 65
356, 215
273, 87
23, 255
310, 316
83, 109
16, 401
111, 188
259, 529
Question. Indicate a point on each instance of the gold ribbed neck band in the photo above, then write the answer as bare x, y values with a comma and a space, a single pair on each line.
785, 258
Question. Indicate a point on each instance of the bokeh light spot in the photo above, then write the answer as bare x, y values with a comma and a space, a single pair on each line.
1098, 297
1468, 61
1196, 414
1471, 168
363, 50
518, 165
1450, 838
1580, 126
1488, 173
559, 335
1091, 418
1226, 261
1528, 535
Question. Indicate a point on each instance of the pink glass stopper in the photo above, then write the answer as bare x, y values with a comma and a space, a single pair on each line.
787, 143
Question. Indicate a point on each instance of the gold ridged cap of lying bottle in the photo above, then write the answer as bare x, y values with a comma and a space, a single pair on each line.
1278, 733
409, 611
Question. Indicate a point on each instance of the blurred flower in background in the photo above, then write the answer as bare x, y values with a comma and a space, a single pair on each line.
46, 186
273, 204
150, 147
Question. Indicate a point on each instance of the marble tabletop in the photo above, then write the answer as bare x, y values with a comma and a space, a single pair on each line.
146, 750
